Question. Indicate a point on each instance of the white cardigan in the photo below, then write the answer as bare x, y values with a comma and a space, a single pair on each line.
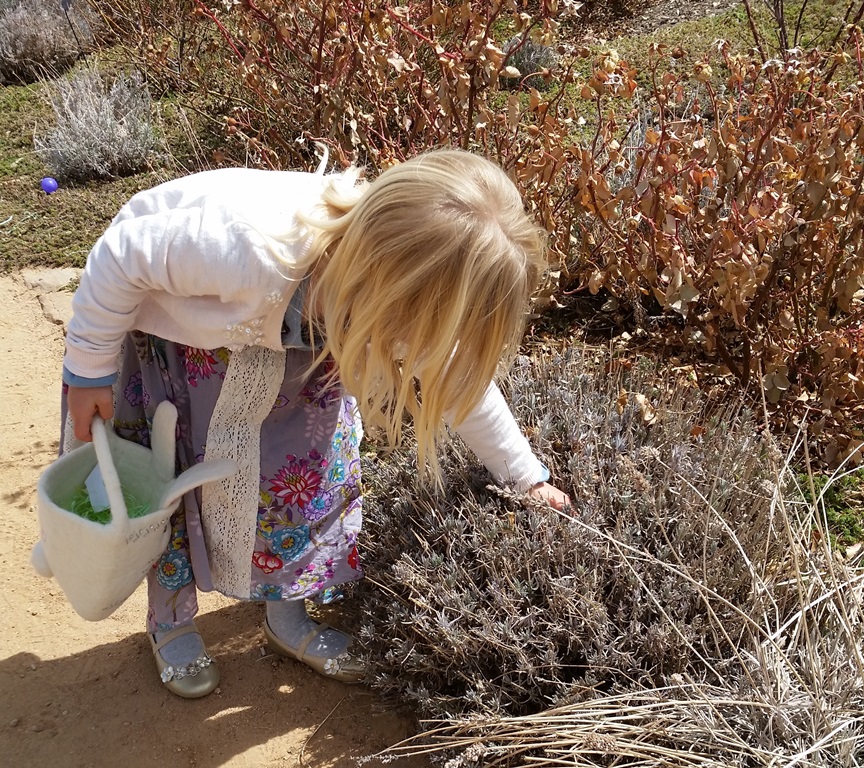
186, 261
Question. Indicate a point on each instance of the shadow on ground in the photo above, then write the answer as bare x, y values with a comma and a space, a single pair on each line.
274, 711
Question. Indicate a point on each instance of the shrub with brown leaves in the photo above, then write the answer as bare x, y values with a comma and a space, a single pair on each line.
720, 195
741, 230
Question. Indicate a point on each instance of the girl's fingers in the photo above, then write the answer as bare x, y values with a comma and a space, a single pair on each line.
553, 496
84, 403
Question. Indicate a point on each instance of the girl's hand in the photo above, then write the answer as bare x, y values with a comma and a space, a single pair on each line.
84, 403
554, 497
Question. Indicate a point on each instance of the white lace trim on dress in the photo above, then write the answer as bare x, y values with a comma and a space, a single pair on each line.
229, 507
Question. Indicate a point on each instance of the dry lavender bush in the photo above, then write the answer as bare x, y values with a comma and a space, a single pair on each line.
680, 616
37, 39
102, 131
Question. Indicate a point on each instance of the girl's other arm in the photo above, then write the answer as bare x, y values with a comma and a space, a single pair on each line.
162, 251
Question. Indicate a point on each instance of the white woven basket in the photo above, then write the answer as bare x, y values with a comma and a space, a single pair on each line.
98, 566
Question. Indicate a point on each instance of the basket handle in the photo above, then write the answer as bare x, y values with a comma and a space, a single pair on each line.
101, 442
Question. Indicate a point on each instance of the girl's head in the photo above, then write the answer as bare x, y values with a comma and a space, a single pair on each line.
426, 272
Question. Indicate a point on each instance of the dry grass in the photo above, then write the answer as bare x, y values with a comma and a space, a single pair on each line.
688, 611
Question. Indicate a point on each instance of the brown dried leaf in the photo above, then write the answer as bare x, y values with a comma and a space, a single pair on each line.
648, 412
513, 111
816, 192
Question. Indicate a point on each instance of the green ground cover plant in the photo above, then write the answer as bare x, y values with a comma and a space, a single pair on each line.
838, 499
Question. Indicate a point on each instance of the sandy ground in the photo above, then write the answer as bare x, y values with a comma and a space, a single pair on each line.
75, 693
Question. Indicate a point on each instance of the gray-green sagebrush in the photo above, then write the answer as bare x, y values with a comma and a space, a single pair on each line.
101, 130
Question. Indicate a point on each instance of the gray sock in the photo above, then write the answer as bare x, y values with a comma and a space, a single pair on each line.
290, 623
182, 650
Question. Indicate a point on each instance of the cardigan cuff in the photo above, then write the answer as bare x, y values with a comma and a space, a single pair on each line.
73, 380
529, 480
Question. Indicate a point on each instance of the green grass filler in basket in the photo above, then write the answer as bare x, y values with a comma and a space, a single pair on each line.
91, 501
99, 547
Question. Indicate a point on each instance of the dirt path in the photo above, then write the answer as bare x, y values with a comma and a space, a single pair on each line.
74, 693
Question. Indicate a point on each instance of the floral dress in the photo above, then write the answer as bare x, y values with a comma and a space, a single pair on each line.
309, 511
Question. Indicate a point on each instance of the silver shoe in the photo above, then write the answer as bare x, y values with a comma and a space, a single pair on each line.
191, 681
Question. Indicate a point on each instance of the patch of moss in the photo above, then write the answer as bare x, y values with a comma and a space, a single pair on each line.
22, 108
58, 230
842, 501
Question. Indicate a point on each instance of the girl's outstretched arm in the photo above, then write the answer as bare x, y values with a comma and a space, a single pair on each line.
492, 433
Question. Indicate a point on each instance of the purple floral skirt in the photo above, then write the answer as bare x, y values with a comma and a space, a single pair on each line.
309, 512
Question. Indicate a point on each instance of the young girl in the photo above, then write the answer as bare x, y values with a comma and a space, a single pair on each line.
274, 309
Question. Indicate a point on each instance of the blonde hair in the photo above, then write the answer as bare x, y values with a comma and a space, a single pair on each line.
427, 271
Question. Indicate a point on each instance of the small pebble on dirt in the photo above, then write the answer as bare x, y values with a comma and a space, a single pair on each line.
14, 723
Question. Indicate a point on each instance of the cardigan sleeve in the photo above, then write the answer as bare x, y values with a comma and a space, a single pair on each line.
132, 257
491, 432
174, 252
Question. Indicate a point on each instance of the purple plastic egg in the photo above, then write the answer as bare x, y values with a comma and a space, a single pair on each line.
49, 185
